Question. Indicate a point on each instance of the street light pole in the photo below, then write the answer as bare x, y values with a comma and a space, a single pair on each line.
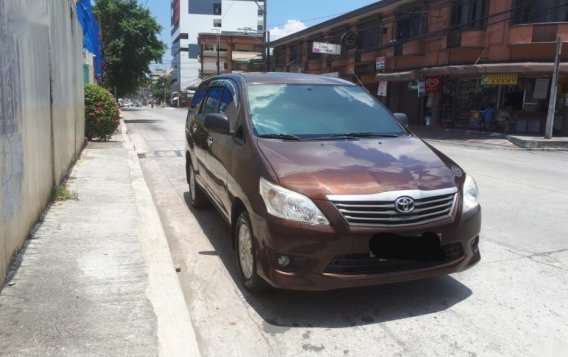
218, 45
265, 39
266, 50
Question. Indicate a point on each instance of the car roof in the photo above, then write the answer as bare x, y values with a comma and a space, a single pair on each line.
285, 78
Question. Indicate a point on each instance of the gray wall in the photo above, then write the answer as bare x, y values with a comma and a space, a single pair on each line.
41, 111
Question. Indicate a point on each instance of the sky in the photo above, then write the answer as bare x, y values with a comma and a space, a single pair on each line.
284, 16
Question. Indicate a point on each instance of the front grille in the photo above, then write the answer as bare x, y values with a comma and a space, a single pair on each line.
384, 213
359, 264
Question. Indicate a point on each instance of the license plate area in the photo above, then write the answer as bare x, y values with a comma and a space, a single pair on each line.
425, 247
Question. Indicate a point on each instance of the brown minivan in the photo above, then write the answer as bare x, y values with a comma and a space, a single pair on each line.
323, 187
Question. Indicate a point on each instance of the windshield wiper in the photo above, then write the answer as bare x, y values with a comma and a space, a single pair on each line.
281, 136
357, 135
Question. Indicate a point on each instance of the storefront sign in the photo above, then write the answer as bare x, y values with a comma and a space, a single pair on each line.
506, 79
433, 84
326, 48
349, 39
380, 64
382, 92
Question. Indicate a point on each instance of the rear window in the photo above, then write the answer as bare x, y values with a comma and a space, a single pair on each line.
317, 110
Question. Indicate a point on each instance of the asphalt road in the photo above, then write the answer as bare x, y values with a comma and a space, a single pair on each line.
514, 303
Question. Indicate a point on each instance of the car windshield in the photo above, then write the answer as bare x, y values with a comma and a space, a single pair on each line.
318, 112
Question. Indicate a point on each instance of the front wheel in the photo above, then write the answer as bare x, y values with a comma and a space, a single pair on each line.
246, 257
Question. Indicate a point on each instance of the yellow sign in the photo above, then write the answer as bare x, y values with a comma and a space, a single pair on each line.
504, 79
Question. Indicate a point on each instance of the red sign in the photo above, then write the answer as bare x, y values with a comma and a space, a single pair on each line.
433, 84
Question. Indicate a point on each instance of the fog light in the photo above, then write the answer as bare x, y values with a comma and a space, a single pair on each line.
288, 262
474, 244
283, 261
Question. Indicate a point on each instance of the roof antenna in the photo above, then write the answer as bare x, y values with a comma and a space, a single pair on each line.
358, 80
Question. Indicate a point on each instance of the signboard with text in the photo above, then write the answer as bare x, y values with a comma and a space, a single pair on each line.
382, 91
432, 84
421, 86
380, 64
503, 79
326, 48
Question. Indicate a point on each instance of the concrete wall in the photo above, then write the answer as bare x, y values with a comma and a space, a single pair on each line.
41, 111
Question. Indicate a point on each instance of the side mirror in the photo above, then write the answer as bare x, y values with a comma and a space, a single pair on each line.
217, 123
402, 118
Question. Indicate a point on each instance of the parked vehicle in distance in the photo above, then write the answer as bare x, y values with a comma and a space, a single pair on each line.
323, 187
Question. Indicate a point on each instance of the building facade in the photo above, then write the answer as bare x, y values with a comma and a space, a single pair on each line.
191, 17
230, 53
445, 60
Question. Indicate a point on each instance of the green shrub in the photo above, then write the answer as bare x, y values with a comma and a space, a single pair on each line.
101, 113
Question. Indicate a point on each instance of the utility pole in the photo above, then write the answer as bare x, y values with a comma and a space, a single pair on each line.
553, 91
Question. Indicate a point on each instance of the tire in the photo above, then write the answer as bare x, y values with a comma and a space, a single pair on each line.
197, 197
245, 251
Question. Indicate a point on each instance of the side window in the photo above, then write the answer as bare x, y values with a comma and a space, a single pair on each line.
198, 98
212, 102
230, 105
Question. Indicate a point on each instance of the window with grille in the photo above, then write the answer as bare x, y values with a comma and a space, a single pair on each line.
539, 11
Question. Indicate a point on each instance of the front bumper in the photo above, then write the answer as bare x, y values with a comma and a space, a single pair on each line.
319, 246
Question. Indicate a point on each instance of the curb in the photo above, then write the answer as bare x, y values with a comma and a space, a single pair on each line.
176, 334
538, 144
534, 145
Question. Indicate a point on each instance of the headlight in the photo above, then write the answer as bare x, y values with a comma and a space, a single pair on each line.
470, 194
290, 205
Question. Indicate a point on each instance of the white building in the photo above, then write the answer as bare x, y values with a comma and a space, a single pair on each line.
190, 17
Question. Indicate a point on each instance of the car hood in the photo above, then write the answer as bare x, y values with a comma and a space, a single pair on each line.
356, 167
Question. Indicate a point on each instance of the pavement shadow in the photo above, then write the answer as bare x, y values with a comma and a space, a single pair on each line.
282, 309
141, 121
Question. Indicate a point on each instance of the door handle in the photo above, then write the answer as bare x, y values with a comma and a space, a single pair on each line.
210, 141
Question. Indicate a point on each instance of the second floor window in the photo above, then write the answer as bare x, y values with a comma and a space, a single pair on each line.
217, 23
369, 33
217, 9
468, 14
410, 24
539, 11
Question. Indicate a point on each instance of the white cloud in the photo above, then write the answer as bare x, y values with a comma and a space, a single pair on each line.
288, 29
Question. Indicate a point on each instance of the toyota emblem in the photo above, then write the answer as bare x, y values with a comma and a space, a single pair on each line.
404, 204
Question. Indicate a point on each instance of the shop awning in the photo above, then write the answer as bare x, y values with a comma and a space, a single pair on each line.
465, 70
397, 76
241, 56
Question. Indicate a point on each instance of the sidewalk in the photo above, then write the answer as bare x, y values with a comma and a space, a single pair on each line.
489, 139
96, 277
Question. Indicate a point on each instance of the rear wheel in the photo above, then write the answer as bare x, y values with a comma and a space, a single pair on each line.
196, 196
246, 255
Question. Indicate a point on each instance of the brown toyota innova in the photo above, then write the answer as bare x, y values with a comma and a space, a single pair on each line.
323, 187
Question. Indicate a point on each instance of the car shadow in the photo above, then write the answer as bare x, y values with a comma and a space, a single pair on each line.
282, 309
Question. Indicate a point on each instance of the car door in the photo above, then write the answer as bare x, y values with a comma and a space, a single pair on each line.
219, 155
196, 134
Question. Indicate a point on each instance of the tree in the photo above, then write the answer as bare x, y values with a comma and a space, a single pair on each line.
161, 88
130, 44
